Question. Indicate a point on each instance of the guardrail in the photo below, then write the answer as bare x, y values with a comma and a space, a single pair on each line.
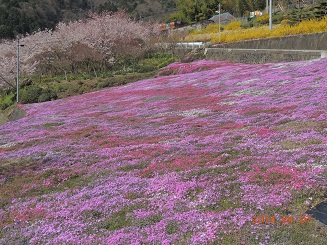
183, 45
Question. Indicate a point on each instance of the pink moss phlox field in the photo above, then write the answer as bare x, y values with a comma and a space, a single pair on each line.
186, 158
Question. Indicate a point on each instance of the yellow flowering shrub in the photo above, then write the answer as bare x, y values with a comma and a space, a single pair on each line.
263, 19
284, 29
234, 25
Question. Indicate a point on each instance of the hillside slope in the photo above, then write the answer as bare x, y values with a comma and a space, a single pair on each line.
190, 158
28, 16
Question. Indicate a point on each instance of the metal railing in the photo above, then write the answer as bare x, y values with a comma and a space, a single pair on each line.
183, 45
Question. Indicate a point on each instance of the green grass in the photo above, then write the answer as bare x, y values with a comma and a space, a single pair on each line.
17, 183
62, 86
117, 221
292, 144
297, 127
52, 125
132, 167
288, 234
172, 227
148, 220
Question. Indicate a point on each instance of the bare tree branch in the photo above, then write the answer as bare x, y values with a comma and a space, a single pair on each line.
8, 83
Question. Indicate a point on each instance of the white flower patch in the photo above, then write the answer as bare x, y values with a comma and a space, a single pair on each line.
229, 103
316, 85
252, 92
194, 112
8, 145
188, 113
284, 82
163, 114
248, 81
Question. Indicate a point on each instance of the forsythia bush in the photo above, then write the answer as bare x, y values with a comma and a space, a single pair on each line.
234, 25
286, 22
264, 19
209, 29
304, 27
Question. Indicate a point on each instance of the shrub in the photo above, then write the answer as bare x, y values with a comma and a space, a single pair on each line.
264, 19
278, 17
103, 83
286, 22
235, 25
7, 100
211, 28
47, 95
172, 227
33, 94
307, 26
148, 220
194, 55
3, 107
30, 94
25, 83
117, 221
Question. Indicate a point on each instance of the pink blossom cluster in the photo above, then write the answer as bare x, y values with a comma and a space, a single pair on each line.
100, 33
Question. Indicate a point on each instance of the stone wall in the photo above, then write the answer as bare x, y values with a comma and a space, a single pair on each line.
314, 41
279, 49
256, 56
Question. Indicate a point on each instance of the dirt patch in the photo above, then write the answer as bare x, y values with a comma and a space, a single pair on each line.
12, 113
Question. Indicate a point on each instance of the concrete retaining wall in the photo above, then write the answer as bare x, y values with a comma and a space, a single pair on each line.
182, 52
314, 41
256, 56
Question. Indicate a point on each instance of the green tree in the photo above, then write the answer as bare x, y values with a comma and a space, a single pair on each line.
189, 11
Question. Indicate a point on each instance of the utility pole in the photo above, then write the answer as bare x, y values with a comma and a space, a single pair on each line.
219, 22
17, 79
267, 6
270, 15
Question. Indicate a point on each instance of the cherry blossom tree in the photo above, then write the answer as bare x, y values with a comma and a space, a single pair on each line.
99, 41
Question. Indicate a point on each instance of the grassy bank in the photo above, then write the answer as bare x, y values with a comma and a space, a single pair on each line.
35, 89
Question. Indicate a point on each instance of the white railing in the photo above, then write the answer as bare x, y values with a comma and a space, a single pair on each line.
183, 45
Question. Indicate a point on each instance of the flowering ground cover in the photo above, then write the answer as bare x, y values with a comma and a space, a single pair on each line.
206, 153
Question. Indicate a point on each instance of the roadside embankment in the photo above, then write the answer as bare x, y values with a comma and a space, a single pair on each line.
313, 41
278, 49
257, 56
